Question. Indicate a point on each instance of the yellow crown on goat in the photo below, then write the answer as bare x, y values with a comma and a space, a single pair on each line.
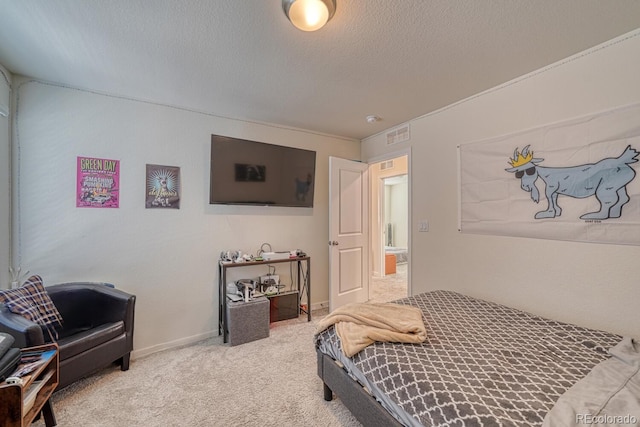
520, 159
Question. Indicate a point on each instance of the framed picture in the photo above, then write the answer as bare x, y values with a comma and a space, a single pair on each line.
162, 187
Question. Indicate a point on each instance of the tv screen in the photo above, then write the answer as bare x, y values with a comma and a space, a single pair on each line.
255, 173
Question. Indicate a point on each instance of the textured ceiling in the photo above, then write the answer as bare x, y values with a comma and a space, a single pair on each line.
398, 59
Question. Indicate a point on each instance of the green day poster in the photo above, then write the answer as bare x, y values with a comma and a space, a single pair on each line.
163, 187
98, 183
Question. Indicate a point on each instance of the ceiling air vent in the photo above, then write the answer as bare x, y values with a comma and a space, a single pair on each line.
400, 134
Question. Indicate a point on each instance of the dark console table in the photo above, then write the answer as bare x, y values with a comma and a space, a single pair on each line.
303, 286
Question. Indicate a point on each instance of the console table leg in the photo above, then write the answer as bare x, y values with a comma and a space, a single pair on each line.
49, 416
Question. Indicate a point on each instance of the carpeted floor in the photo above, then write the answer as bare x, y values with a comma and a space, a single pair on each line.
390, 287
269, 382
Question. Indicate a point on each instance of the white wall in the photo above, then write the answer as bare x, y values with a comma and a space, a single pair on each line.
168, 258
398, 203
589, 284
5, 178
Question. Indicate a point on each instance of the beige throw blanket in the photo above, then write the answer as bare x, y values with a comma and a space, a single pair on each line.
359, 325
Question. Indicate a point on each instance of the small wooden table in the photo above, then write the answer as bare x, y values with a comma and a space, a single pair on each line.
20, 404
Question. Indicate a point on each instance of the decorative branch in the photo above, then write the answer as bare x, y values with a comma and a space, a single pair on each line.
16, 277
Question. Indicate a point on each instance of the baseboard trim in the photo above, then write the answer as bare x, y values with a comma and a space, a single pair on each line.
147, 351
135, 354
319, 305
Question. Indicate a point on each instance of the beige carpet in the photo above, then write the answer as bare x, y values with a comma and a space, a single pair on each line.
390, 287
269, 382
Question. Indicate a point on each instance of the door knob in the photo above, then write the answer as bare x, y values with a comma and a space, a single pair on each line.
333, 243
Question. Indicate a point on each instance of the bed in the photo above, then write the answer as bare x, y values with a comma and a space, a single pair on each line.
483, 364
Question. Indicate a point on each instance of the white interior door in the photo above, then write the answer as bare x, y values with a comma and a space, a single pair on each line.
348, 232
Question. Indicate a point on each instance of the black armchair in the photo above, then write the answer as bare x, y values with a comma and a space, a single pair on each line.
97, 328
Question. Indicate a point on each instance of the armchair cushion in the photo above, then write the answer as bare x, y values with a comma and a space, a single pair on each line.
82, 341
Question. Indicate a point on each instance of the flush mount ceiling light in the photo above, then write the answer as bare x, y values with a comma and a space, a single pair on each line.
309, 15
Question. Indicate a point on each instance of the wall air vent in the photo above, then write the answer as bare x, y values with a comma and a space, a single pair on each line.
386, 165
401, 134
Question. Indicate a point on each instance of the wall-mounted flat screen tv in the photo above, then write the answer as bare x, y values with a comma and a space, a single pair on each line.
256, 173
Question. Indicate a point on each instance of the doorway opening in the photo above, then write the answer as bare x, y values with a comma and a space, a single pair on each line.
389, 229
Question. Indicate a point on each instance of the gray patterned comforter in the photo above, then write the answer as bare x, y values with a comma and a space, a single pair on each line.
483, 364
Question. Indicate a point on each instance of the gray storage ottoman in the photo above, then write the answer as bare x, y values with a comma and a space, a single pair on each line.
248, 321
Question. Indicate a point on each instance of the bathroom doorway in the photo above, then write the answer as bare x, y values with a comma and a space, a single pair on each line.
390, 229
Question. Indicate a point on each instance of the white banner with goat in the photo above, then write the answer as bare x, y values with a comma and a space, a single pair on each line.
575, 180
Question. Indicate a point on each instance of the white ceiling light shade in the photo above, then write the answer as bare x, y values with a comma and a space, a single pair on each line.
309, 15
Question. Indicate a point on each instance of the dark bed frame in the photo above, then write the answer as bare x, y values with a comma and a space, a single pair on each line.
362, 405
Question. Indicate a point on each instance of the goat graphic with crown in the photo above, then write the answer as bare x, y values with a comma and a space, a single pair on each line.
606, 179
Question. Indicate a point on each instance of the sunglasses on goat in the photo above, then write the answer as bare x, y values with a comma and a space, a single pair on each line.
530, 171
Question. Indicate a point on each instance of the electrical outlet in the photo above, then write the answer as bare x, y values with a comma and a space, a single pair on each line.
423, 226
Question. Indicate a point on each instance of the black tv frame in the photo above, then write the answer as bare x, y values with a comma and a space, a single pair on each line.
253, 173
